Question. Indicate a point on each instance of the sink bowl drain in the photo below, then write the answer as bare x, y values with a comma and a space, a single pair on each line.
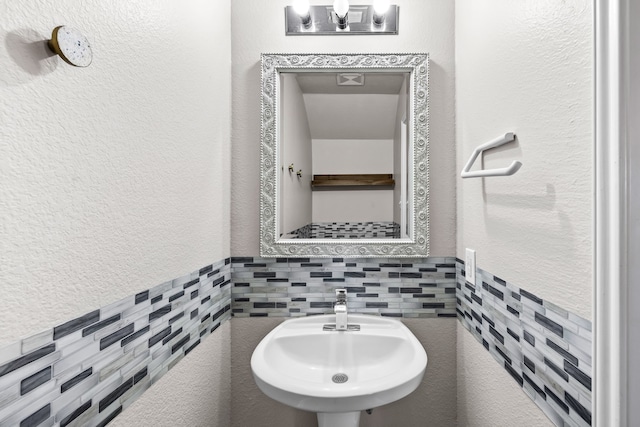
340, 378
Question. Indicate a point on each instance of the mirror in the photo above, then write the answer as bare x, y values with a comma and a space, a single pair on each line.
344, 149
347, 133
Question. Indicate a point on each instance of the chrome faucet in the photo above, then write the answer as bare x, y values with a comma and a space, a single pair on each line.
340, 309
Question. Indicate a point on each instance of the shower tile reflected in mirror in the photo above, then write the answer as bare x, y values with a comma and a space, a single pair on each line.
346, 230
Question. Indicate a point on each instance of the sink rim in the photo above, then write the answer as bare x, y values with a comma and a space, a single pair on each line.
321, 397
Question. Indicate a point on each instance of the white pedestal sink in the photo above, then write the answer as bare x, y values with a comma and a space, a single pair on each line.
338, 373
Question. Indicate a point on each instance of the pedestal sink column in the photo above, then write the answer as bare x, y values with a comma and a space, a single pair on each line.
339, 419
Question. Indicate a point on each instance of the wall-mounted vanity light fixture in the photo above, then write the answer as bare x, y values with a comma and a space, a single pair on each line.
301, 19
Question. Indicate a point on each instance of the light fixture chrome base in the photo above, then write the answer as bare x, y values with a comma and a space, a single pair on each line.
342, 23
325, 22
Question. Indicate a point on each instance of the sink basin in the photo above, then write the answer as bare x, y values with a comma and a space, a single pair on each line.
333, 372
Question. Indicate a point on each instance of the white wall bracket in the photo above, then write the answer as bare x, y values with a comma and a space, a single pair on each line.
509, 170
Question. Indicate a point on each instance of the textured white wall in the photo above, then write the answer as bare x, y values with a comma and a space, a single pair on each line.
525, 67
258, 27
115, 178
296, 143
432, 403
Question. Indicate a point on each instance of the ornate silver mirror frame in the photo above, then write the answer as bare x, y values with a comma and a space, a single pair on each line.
417, 244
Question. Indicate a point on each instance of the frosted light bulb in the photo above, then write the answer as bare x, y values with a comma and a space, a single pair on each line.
301, 7
381, 6
341, 7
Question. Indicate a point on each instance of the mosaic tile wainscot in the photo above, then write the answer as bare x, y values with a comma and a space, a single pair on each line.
87, 370
290, 287
546, 349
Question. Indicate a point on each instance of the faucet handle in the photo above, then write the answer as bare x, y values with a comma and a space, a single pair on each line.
341, 296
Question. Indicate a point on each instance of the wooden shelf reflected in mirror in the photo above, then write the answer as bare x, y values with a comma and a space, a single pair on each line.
361, 181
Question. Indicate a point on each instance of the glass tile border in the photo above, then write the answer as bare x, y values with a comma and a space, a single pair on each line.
89, 369
544, 348
350, 230
294, 287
